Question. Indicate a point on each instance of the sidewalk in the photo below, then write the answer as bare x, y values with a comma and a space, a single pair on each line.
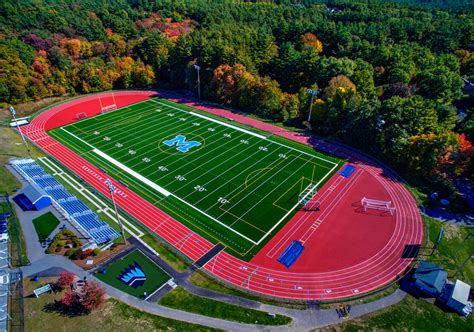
302, 319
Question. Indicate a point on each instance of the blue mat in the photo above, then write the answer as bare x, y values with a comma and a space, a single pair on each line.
347, 171
291, 254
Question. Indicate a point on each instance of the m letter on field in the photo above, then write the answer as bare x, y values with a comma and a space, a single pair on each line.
181, 144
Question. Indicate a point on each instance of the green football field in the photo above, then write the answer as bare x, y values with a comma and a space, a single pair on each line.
228, 182
155, 277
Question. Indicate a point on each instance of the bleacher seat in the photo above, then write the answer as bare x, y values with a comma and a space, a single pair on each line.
98, 230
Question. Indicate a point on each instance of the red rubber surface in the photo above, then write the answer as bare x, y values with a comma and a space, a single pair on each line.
347, 251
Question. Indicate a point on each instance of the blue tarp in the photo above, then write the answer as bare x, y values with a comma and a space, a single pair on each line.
347, 171
291, 254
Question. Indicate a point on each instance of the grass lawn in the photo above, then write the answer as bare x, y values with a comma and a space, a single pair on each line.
169, 256
202, 280
214, 175
155, 276
182, 300
451, 242
409, 315
11, 146
44, 225
17, 241
114, 316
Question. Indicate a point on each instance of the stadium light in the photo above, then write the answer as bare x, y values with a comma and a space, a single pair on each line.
112, 190
13, 113
312, 92
198, 68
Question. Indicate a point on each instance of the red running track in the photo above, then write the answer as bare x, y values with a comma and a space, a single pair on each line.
347, 252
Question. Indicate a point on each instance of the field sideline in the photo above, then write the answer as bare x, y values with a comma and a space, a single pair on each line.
228, 182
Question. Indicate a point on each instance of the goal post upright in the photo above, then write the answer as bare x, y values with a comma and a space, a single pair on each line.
113, 98
110, 107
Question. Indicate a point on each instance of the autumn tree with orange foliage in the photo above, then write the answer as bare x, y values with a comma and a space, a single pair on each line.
339, 83
310, 40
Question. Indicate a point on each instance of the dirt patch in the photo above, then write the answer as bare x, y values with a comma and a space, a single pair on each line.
25, 109
452, 231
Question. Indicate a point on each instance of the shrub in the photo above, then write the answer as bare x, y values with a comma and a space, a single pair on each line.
66, 279
75, 240
70, 252
68, 233
96, 251
82, 254
93, 296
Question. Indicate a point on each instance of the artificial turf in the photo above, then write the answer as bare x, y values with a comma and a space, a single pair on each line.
238, 186
155, 276
44, 225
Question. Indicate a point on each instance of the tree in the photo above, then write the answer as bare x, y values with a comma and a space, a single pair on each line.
66, 279
70, 299
93, 296
339, 83
465, 156
290, 105
330, 67
224, 81
439, 83
411, 136
310, 40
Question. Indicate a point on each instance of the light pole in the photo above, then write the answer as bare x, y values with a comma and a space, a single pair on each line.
112, 190
13, 113
312, 92
198, 68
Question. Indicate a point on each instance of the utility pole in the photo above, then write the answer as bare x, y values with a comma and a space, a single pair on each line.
112, 190
13, 113
468, 236
312, 92
463, 263
198, 68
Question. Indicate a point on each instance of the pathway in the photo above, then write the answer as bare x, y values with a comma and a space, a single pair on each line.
308, 319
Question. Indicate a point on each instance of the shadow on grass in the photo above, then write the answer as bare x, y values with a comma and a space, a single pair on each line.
66, 311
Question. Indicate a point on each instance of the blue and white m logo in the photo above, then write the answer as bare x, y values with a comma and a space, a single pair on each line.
181, 143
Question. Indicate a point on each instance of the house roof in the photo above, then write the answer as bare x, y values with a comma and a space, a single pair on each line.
461, 292
34, 192
431, 276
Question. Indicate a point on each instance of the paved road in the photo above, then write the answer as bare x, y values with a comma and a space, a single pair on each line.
302, 319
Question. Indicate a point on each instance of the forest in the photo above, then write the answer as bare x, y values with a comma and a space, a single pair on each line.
391, 78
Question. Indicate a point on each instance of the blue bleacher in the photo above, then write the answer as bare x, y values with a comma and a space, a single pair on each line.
57, 194
78, 211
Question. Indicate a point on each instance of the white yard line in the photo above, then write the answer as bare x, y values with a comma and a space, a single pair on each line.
259, 185
79, 139
214, 219
291, 210
167, 193
308, 154
162, 190
132, 172
228, 125
91, 198
244, 130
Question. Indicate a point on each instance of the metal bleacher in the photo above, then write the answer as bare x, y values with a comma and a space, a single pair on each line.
98, 230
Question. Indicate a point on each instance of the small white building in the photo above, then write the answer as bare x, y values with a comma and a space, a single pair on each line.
459, 299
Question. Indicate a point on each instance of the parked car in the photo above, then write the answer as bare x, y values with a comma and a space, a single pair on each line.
4, 237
